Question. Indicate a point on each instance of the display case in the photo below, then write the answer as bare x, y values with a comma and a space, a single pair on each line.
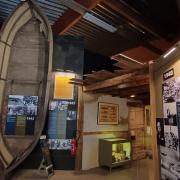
114, 152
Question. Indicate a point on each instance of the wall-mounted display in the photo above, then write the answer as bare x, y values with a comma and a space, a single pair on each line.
22, 112
108, 113
61, 123
170, 153
62, 88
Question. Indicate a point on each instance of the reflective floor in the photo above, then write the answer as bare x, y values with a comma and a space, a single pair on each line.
140, 170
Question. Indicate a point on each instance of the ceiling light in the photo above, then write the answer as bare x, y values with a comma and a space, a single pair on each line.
90, 17
133, 95
169, 52
131, 59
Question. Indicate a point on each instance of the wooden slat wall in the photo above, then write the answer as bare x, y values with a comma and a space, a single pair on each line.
78, 163
136, 124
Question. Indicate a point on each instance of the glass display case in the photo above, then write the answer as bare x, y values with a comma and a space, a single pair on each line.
114, 152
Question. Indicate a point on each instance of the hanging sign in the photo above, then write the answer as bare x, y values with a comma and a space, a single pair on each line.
168, 74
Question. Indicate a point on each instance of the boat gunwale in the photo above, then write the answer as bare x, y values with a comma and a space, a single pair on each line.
35, 7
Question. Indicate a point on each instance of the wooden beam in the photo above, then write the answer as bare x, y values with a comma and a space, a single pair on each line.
79, 136
133, 17
124, 86
76, 83
139, 75
125, 64
70, 17
126, 93
145, 68
134, 84
120, 133
155, 149
108, 82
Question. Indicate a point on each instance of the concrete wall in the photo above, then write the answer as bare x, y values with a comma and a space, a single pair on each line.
90, 142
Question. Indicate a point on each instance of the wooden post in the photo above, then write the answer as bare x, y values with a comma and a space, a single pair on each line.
78, 163
155, 150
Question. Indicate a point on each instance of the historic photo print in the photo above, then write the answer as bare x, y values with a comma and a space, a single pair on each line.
160, 131
170, 114
171, 90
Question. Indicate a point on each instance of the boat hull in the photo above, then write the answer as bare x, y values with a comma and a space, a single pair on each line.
25, 69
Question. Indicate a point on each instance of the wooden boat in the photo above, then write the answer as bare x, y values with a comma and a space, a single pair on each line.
26, 45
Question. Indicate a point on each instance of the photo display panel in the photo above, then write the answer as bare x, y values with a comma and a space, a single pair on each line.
61, 124
168, 130
21, 115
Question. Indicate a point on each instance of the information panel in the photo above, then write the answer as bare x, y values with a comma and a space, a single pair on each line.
168, 130
22, 112
61, 124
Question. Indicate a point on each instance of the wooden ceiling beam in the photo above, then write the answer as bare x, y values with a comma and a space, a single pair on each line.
127, 78
130, 91
108, 83
133, 17
124, 86
71, 17
134, 84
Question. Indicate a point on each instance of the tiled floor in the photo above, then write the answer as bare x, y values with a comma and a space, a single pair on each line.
140, 170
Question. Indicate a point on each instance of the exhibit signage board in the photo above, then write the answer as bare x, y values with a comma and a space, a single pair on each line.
168, 74
168, 129
62, 88
21, 115
108, 113
61, 124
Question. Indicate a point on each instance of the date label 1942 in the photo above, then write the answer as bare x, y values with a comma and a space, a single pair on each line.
168, 74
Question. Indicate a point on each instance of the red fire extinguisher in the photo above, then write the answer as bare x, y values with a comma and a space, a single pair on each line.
73, 147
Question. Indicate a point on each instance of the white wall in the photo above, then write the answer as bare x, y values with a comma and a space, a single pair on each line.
90, 142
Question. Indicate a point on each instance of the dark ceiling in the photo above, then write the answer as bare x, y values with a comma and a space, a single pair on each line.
163, 13
145, 30
149, 27
149, 24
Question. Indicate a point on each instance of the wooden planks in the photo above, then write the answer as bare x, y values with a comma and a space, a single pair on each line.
80, 122
155, 150
108, 82
136, 81
126, 78
137, 128
99, 76
119, 133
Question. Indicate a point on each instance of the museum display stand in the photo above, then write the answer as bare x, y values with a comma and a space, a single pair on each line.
114, 152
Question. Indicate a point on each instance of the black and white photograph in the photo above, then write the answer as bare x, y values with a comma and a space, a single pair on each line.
53, 105
59, 144
160, 131
171, 90
71, 115
62, 105
170, 167
171, 137
22, 105
170, 114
